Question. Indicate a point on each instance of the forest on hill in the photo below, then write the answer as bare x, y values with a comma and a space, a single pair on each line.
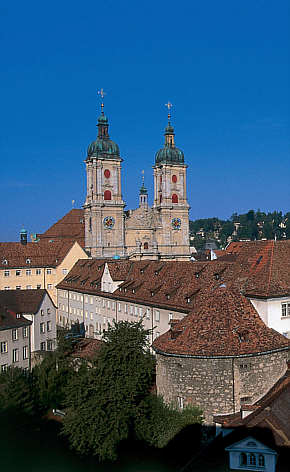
251, 226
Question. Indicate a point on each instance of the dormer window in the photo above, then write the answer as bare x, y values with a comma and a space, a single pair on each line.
28, 261
18, 315
168, 296
217, 276
133, 290
5, 262
188, 300
152, 293
196, 275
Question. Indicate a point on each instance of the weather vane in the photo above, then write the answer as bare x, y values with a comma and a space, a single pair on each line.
168, 105
102, 94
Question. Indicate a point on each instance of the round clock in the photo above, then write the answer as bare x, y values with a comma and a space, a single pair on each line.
109, 222
176, 223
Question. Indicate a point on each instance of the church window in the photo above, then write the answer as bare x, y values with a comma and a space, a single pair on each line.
146, 245
174, 179
174, 198
107, 195
252, 459
107, 173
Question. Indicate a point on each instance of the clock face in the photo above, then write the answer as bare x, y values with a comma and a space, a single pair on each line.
176, 223
109, 222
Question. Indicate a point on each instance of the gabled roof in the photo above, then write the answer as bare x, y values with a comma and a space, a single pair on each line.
222, 323
23, 301
10, 320
41, 254
70, 227
250, 444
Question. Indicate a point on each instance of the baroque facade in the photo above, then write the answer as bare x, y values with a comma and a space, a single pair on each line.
157, 232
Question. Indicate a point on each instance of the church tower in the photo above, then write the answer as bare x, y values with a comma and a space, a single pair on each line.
104, 206
170, 199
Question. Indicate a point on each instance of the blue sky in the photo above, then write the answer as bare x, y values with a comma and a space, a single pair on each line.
224, 66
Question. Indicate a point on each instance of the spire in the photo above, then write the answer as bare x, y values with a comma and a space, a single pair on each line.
143, 194
169, 130
103, 125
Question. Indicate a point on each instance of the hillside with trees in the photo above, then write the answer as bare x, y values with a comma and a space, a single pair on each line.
251, 226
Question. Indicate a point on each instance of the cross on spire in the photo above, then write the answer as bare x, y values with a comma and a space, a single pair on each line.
169, 106
102, 94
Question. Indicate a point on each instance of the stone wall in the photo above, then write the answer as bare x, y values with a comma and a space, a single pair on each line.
218, 385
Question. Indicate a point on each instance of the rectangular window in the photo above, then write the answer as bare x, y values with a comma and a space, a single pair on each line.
14, 334
140, 312
28, 271
49, 286
15, 355
113, 305
170, 316
18, 287
18, 273
25, 332
42, 346
28, 287
119, 306
92, 316
86, 314
108, 303
285, 310
38, 271
4, 347
48, 271
49, 345
131, 309
42, 312
48, 326
6, 288
6, 273
42, 327
126, 308
91, 300
64, 271
4, 367
136, 311
180, 402
157, 315
48, 311
86, 300
25, 352
148, 313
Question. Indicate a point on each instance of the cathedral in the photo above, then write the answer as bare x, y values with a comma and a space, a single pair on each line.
157, 232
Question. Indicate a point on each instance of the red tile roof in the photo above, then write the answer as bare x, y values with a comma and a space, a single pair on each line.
41, 254
22, 301
71, 227
9, 319
87, 349
223, 323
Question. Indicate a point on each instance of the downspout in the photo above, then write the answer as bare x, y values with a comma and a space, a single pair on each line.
233, 377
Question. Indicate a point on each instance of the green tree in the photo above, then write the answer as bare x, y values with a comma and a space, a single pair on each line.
16, 391
102, 401
157, 423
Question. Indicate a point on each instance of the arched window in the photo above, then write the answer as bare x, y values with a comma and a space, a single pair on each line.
261, 460
174, 198
160, 198
252, 459
107, 173
243, 459
174, 179
146, 245
107, 195
90, 224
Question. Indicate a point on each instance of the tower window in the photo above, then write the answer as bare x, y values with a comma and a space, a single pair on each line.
174, 179
107, 173
174, 198
107, 195
146, 245
160, 198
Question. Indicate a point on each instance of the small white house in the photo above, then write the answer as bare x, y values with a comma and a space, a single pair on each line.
250, 454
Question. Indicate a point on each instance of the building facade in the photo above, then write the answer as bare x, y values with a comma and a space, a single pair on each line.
157, 232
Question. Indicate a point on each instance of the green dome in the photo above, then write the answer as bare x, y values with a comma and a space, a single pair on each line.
103, 146
169, 155
143, 190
